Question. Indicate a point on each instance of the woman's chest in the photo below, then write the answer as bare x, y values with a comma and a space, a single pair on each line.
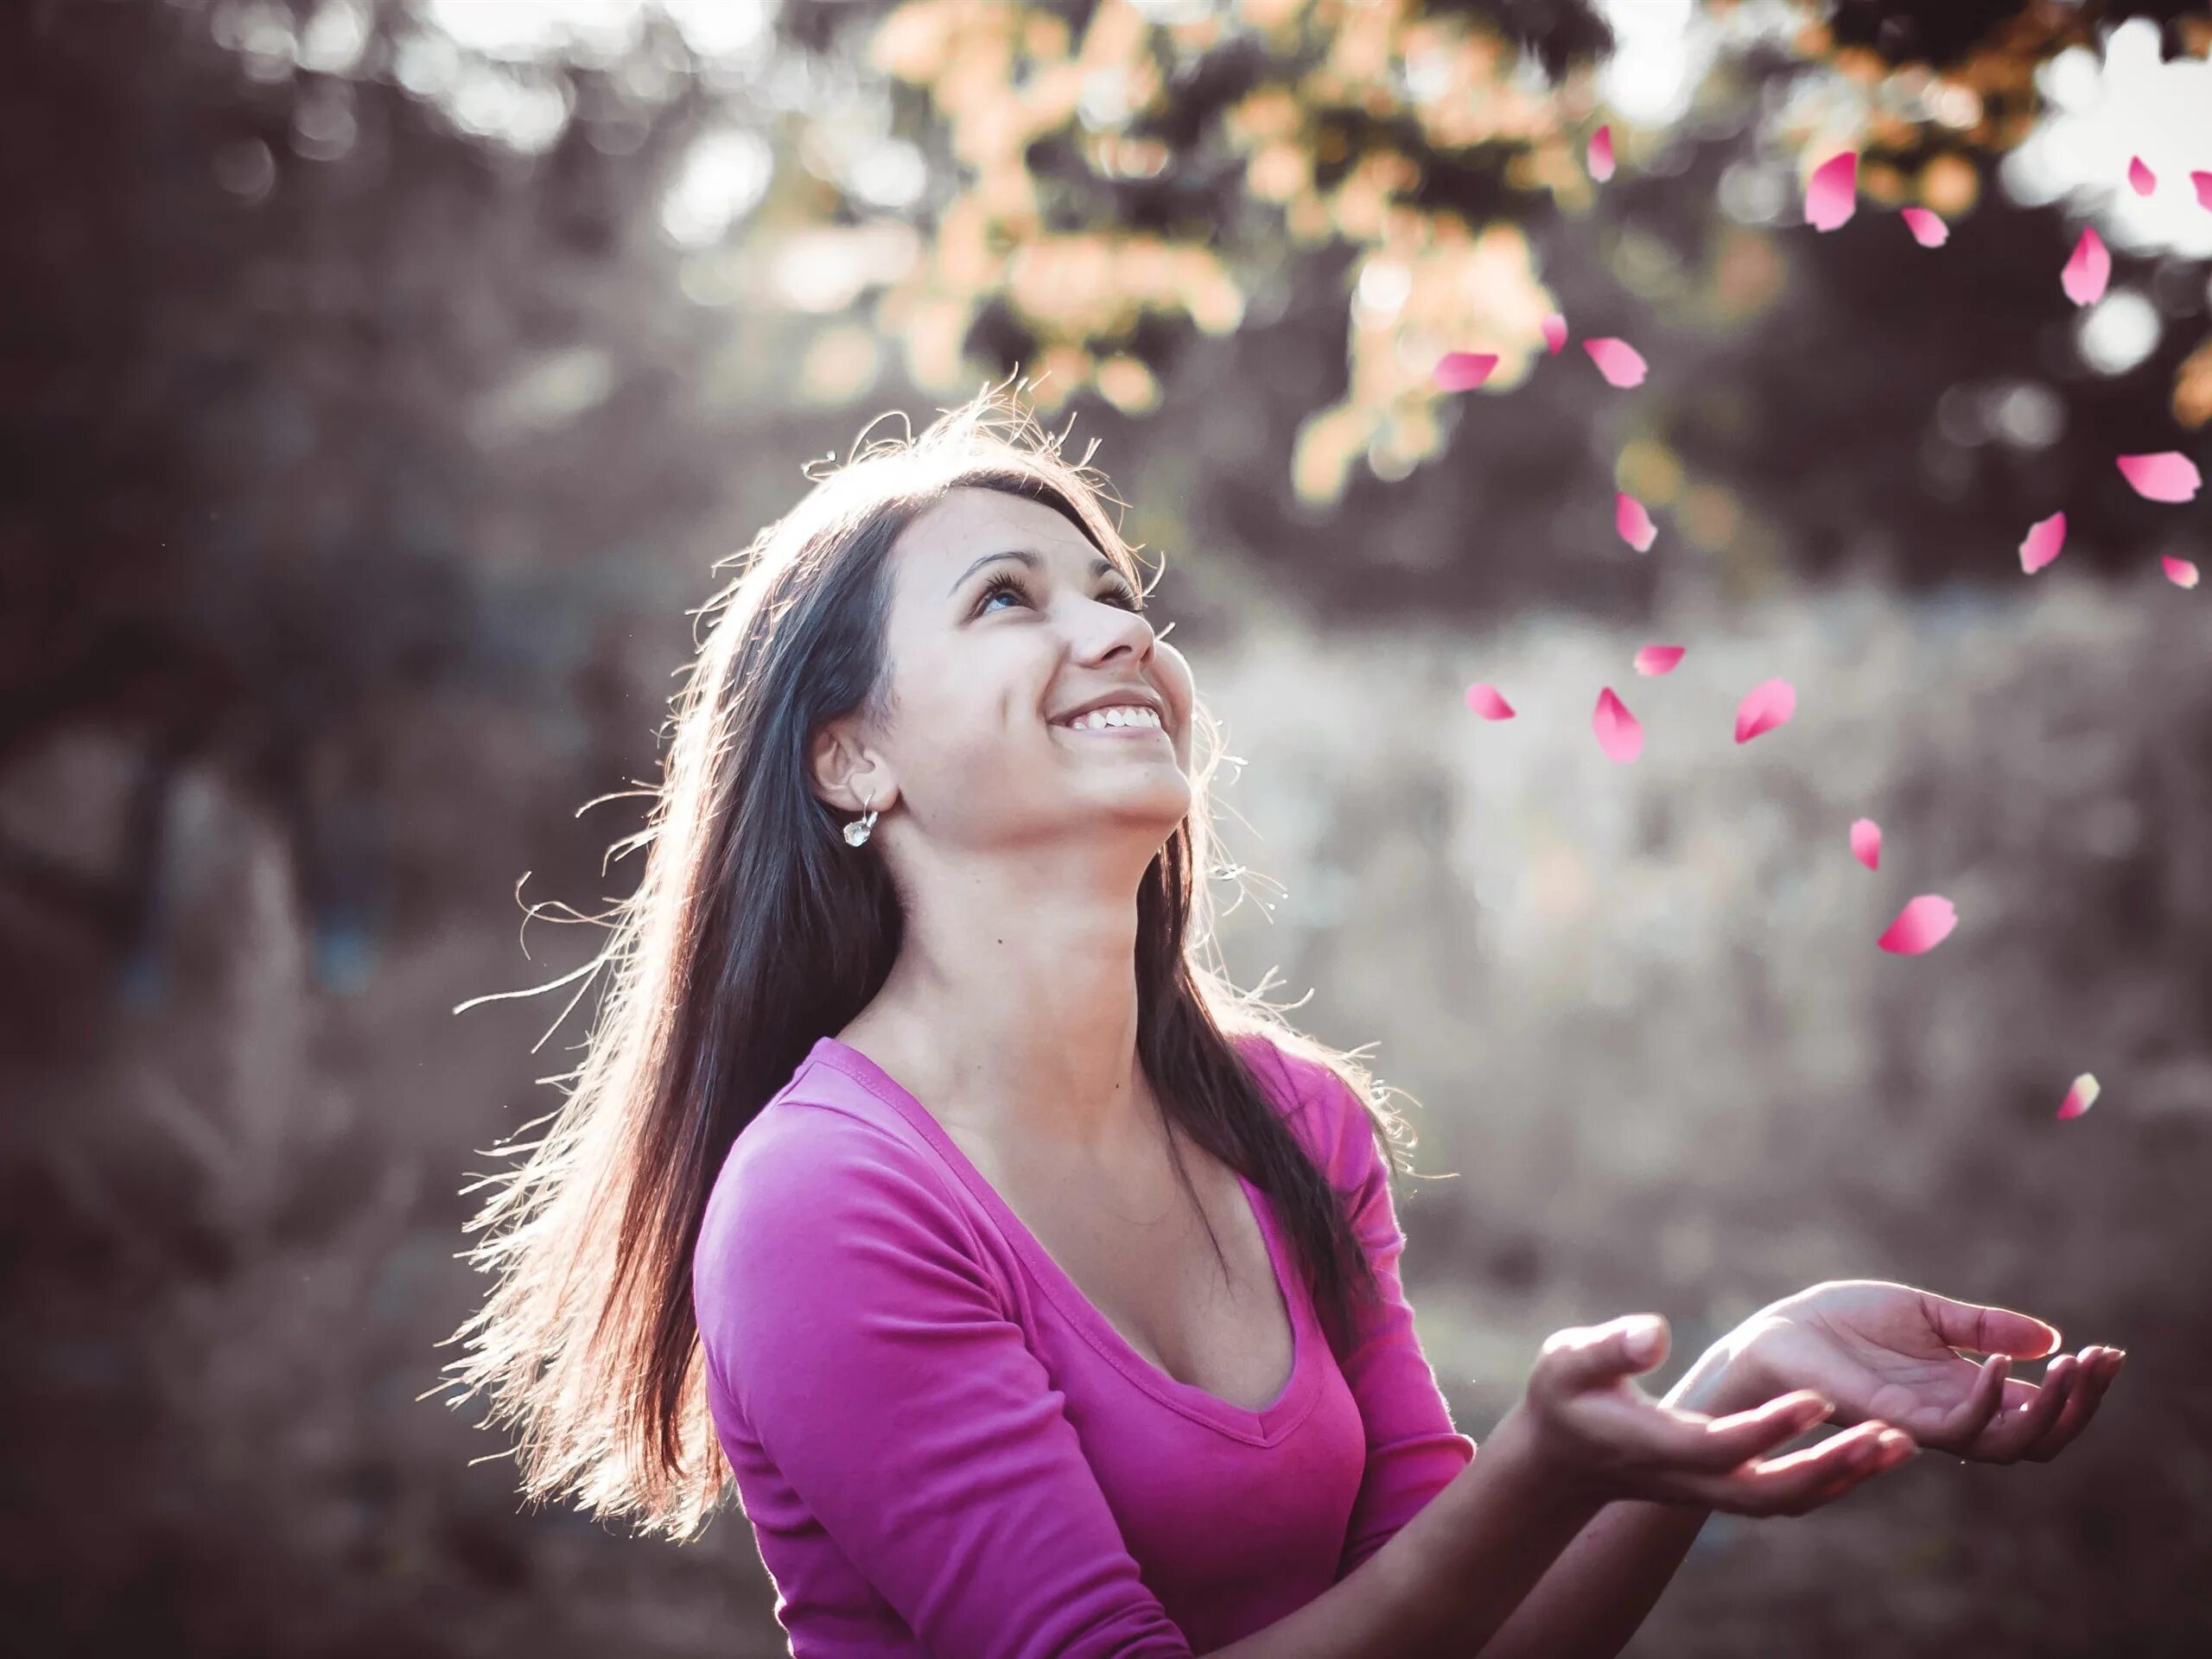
1137, 1247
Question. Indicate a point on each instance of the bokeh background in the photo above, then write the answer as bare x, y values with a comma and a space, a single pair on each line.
383, 380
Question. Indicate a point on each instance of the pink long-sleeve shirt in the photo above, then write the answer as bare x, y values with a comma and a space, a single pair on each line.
945, 1449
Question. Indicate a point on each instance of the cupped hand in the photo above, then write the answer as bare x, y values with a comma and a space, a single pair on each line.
1593, 1430
1890, 1352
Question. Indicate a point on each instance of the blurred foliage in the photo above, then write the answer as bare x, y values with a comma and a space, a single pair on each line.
1133, 175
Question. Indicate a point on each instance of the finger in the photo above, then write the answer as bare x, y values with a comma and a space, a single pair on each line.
1989, 1329
2095, 1374
1804, 1480
1721, 1443
2023, 1419
1589, 1356
1966, 1421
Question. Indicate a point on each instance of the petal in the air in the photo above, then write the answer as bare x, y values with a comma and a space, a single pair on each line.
1866, 843
2140, 176
1769, 704
1554, 331
2180, 572
1633, 522
1465, 371
2044, 538
2087, 270
1488, 702
1618, 360
2082, 1095
2167, 476
1832, 194
1601, 154
1922, 924
1927, 228
1658, 659
1619, 733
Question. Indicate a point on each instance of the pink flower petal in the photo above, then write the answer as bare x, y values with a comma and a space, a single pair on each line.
1927, 229
2082, 1095
1922, 924
1866, 843
1832, 194
1554, 331
1488, 701
1465, 371
2204, 183
2045, 537
1618, 360
1658, 659
2180, 572
2140, 176
2167, 476
1620, 734
1633, 522
1601, 154
2087, 270
1769, 704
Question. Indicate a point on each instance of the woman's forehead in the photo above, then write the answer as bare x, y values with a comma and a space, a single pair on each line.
970, 523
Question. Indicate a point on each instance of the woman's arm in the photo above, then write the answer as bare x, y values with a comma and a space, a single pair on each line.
1443, 1582
1576, 1443
1604, 1585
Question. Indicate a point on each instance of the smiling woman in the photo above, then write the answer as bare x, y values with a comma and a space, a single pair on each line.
1038, 1290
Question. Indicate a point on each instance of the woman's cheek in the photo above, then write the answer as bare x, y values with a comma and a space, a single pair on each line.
1181, 689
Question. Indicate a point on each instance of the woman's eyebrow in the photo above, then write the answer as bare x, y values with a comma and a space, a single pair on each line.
1100, 564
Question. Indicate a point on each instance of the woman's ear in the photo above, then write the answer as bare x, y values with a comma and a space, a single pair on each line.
847, 776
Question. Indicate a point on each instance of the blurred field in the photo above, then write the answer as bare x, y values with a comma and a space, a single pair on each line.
1652, 1043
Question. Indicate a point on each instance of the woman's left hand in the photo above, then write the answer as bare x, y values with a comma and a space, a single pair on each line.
1888, 1352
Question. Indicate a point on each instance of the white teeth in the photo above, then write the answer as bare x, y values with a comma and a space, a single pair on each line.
1124, 714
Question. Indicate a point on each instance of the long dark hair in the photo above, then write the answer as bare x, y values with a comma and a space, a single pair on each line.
753, 932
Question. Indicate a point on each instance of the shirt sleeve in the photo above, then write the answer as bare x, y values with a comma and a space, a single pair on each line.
846, 1303
1413, 1451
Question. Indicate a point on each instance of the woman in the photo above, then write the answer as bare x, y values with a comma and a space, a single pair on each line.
1038, 1290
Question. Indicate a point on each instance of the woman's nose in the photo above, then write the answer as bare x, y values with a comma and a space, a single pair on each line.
1119, 628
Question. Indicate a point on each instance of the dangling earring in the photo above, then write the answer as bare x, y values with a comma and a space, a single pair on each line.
856, 831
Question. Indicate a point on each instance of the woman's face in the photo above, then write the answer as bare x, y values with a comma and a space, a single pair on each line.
988, 655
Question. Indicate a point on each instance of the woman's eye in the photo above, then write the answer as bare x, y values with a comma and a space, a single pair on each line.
1120, 594
996, 586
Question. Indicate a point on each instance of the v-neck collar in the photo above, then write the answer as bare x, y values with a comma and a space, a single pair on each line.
1264, 1426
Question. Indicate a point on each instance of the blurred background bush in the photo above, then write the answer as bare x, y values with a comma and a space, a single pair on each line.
384, 378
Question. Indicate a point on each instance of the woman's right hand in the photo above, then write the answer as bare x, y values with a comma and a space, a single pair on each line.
1591, 1427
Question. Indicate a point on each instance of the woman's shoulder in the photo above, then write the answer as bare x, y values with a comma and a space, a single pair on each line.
824, 1161
1322, 1108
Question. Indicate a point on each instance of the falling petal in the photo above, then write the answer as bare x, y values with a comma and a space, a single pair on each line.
1465, 371
2140, 176
1922, 924
1488, 701
2087, 270
1554, 331
1769, 704
2180, 572
2204, 183
1601, 154
1633, 522
1832, 194
1619, 733
1927, 229
2167, 476
1658, 659
2082, 1095
1866, 843
1618, 360
2045, 537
